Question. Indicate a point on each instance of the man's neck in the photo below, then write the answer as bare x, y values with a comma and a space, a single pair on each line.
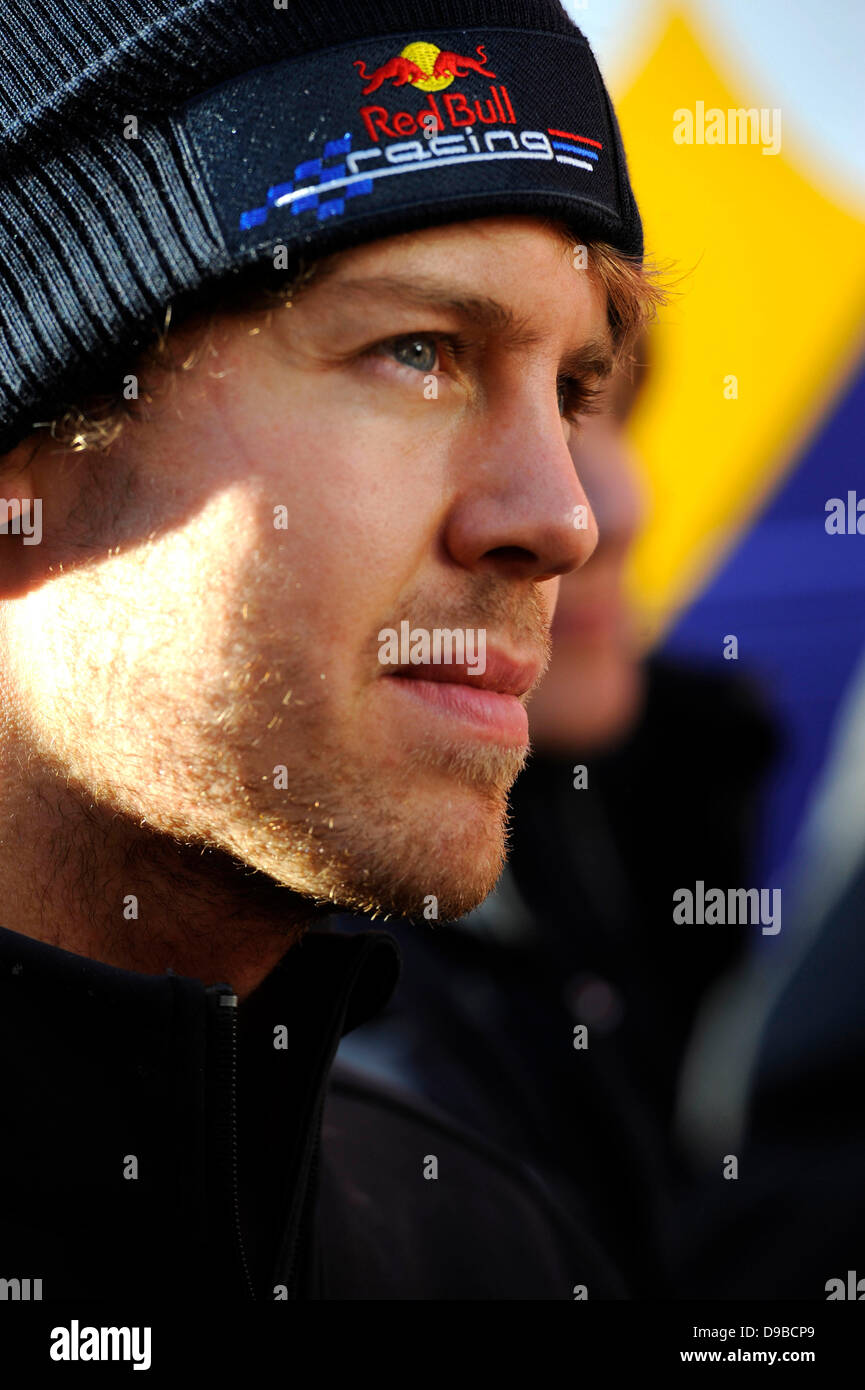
85, 879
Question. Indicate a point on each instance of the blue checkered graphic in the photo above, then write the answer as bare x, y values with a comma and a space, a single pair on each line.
304, 175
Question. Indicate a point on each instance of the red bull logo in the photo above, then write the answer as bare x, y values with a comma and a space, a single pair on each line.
431, 69
424, 66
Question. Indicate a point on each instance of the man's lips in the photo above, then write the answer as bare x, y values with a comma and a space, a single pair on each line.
504, 674
491, 701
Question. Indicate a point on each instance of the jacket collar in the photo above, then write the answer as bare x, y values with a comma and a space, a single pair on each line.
159, 1141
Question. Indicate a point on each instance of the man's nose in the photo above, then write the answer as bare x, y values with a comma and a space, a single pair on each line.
519, 505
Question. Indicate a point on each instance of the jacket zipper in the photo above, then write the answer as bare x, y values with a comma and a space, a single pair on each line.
306, 1189
226, 1009
225, 1014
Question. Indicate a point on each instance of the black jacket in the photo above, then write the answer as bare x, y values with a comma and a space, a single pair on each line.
161, 1142
795, 1217
580, 931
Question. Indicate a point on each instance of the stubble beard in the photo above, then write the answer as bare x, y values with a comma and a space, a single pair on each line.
351, 839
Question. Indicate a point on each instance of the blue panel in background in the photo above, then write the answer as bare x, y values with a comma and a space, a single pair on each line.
795, 598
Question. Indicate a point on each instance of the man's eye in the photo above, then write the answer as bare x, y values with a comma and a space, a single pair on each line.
578, 398
418, 350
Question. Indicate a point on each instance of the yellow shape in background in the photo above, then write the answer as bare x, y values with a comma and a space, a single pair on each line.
774, 294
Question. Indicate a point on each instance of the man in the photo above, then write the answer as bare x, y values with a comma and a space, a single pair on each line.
555, 1017
204, 749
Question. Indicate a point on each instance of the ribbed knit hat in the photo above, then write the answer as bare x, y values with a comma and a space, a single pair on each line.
148, 147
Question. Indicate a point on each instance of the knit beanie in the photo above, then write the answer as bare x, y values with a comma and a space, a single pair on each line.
150, 147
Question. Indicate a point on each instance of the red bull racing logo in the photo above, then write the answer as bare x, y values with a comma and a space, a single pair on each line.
430, 69
448, 129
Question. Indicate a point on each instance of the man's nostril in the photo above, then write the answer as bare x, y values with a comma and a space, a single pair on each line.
512, 552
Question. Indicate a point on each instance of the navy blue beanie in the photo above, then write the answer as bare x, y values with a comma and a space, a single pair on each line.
148, 147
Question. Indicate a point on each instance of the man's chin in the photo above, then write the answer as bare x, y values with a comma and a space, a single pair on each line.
435, 900
430, 847
434, 873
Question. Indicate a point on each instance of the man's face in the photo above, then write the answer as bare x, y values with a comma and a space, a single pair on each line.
182, 657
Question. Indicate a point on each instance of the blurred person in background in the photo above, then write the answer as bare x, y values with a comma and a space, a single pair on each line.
775, 1074
553, 1019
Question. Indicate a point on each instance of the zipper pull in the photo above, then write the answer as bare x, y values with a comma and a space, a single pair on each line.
224, 993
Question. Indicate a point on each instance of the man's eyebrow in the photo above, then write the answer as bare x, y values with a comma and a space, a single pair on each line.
594, 358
